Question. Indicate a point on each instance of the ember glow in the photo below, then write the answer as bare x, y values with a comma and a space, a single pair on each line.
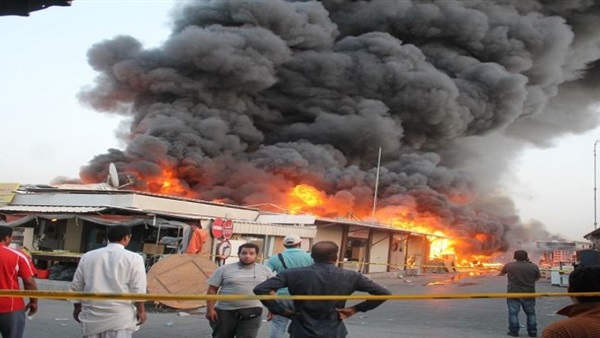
305, 199
440, 246
167, 183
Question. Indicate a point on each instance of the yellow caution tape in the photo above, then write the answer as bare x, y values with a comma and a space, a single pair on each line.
410, 266
163, 297
360, 264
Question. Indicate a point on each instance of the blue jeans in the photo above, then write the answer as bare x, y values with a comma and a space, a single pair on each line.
514, 306
279, 324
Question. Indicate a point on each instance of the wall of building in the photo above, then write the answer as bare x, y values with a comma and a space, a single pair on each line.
330, 233
398, 250
192, 208
415, 250
273, 229
73, 235
379, 251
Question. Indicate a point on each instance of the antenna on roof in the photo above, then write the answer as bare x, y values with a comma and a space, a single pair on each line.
113, 177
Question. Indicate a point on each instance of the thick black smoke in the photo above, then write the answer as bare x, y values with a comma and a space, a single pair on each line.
247, 99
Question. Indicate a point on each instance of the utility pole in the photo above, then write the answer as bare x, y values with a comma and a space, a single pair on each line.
595, 189
376, 184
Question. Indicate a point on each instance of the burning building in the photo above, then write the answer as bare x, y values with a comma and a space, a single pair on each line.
287, 103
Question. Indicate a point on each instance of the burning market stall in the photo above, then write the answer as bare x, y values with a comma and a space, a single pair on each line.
61, 234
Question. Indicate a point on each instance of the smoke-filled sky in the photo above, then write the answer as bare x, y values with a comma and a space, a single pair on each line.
474, 105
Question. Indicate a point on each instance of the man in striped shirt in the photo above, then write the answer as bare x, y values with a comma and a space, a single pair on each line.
14, 264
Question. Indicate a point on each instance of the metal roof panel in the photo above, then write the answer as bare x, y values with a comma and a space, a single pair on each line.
51, 209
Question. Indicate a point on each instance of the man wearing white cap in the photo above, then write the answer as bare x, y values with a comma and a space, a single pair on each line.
291, 257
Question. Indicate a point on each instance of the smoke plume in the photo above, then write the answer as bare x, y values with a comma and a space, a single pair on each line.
245, 100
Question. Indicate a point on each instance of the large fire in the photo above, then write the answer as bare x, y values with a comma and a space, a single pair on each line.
304, 198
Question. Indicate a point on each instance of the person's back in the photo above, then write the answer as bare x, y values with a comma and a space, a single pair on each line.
584, 322
584, 314
292, 257
521, 276
321, 319
111, 269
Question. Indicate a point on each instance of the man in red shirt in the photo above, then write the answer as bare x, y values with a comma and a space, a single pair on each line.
14, 264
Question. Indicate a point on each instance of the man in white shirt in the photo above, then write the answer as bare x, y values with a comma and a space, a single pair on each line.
111, 269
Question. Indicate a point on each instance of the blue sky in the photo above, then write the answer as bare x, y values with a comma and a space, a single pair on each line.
48, 133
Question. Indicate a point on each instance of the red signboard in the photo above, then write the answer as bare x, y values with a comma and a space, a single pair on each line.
227, 229
217, 228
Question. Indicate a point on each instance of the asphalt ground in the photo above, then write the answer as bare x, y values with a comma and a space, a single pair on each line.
460, 318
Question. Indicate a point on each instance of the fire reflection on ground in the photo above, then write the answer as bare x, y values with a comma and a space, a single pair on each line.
457, 277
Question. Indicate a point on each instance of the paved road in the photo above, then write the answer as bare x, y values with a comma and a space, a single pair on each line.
472, 318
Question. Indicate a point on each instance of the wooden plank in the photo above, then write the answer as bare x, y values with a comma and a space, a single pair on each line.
181, 274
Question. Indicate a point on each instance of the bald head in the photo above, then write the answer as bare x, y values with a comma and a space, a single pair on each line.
324, 252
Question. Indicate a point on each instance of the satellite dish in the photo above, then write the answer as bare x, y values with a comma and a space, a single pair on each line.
113, 175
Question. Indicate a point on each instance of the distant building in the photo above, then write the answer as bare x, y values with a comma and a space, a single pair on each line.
554, 253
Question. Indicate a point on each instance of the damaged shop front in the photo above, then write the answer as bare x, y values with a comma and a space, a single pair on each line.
56, 237
57, 226
375, 248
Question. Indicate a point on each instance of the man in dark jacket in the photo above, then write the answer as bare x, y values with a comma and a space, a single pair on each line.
322, 318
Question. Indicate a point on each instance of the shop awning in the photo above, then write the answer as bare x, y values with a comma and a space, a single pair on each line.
51, 209
162, 213
17, 215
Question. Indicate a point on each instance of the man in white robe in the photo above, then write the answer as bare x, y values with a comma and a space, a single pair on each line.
111, 269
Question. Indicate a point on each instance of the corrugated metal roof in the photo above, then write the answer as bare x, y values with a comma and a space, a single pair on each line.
162, 213
51, 209
53, 189
286, 219
241, 227
376, 226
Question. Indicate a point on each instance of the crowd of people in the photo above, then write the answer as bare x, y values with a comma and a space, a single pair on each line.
113, 269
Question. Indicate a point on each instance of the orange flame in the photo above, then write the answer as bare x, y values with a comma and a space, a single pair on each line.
304, 198
167, 183
440, 246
